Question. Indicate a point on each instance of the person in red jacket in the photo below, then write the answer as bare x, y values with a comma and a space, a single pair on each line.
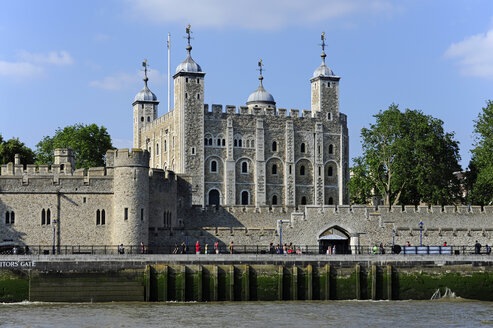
197, 247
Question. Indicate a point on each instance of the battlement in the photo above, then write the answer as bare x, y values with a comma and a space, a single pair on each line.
158, 122
399, 209
218, 110
126, 157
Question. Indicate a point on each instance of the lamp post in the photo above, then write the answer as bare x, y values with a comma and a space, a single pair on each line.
279, 226
54, 228
420, 233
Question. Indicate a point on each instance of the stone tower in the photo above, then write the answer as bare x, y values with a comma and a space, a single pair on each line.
325, 90
130, 222
189, 124
145, 110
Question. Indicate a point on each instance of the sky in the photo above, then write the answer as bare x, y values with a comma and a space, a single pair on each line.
67, 62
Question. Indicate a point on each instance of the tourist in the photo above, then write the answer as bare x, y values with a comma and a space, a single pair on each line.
375, 249
216, 247
298, 251
477, 248
15, 250
141, 247
197, 248
121, 250
175, 250
271, 248
408, 244
444, 244
285, 249
231, 247
488, 249
184, 248
205, 249
334, 249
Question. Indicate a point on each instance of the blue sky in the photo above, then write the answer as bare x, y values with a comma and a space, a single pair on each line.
65, 62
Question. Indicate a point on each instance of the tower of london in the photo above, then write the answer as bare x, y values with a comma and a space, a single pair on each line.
254, 154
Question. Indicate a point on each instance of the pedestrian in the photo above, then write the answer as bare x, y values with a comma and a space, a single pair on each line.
444, 244
141, 247
271, 248
477, 248
231, 247
382, 249
183, 248
334, 250
408, 244
488, 249
175, 250
205, 249
121, 250
375, 249
197, 248
216, 247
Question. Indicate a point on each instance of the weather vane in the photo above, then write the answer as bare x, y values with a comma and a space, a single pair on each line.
323, 41
260, 66
189, 32
145, 65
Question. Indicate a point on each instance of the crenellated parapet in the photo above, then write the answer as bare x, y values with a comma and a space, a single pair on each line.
125, 157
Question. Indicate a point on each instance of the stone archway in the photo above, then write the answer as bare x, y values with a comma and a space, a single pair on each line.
214, 197
334, 237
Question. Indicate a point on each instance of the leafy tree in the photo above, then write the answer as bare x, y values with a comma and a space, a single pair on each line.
407, 159
479, 179
13, 146
89, 143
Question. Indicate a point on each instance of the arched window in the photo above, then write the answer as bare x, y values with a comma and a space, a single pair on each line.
142, 118
302, 170
244, 167
43, 217
213, 166
303, 200
329, 171
302, 147
274, 146
329, 116
165, 150
48, 216
245, 198
236, 143
331, 149
331, 201
103, 217
239, 143
205, 141
198, 95
210, 141
224, 142
148, 118
12, 217
274, 200
98, 217
274, 169
7, 217
157, 149
218, 142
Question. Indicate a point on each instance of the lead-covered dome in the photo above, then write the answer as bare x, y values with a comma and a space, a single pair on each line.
145, 95
188, 65
323, 71
261, 96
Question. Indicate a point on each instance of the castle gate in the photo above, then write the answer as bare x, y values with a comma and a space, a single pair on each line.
334, 236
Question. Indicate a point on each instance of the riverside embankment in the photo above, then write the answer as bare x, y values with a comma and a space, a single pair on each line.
90, 278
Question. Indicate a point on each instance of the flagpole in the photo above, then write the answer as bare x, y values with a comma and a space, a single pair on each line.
169, 71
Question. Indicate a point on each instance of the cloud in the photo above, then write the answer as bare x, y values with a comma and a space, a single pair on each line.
252, 14
20, 70
474, 55
126, 81
61, 58
33, 65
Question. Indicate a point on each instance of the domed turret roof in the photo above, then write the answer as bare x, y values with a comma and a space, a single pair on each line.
188, 66
145, 95
260, 96
323, 71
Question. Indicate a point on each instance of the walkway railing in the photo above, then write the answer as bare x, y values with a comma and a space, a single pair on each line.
241, 249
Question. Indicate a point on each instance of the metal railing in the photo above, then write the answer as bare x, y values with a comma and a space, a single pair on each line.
243, 249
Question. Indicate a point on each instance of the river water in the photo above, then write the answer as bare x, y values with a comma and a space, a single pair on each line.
449, 313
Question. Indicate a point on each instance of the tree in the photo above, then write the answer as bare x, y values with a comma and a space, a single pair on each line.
407, 159
479, 179
13, 146
89, 143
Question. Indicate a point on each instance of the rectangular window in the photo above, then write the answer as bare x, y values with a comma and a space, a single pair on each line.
289, 169
84, 200
141, 214
193, 150
126, 213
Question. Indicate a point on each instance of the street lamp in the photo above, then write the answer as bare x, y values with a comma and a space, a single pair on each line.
279, 228
393, 239
420, 233
54, 227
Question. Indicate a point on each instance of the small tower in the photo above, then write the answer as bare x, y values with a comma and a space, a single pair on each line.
325, 89
145, 109
260, 97
189, 122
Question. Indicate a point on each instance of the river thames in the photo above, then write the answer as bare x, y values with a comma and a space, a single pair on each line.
442, 313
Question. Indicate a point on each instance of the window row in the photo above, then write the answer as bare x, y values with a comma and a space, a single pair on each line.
45, 217
197, 80
9, 217
215, 142
274, 169
303, 148
167, 219
186, 95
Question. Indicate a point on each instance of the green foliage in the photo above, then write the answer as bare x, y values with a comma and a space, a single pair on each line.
480, 176
407, 159
89, 143
13, 146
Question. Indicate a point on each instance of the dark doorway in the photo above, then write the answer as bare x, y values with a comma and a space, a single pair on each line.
334, 237
214, 197
244, 198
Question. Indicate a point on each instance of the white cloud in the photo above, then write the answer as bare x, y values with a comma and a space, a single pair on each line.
33, 65
252, 14
474, 55
126, 81
20, 70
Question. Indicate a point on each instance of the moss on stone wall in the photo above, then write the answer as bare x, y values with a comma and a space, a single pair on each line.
14, 286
